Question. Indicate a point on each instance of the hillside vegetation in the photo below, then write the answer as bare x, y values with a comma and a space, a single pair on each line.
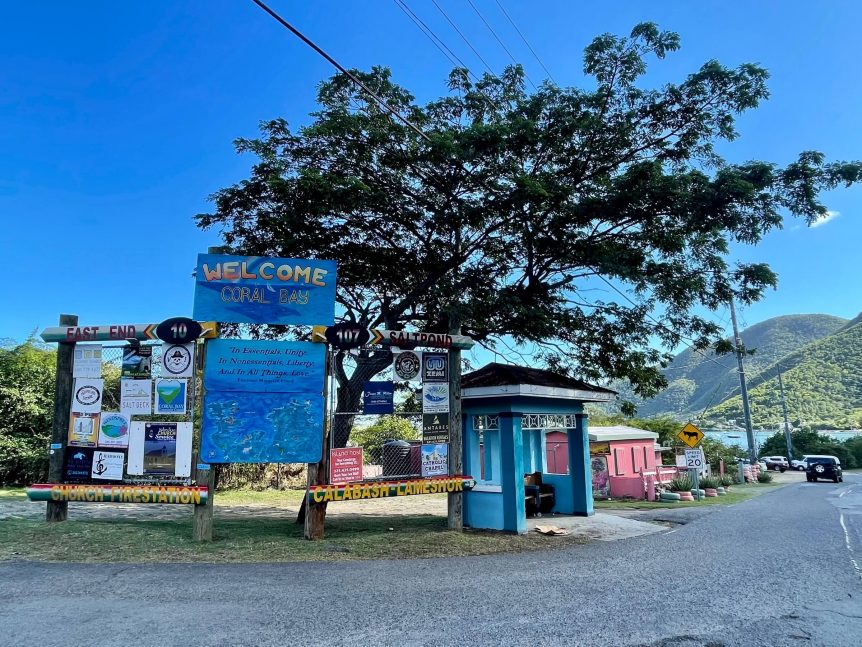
822, 382
696, 382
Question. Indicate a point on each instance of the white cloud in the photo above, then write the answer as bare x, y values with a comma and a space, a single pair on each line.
822, 220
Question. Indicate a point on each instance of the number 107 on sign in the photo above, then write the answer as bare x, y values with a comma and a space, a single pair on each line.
694, 459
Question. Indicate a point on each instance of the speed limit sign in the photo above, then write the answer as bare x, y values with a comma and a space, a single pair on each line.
694, 459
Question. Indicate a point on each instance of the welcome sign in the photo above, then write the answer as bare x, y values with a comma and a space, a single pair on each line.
260, 290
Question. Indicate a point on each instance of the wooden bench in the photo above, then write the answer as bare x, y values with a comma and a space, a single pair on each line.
539, 497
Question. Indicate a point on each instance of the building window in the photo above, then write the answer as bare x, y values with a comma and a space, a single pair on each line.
618, 455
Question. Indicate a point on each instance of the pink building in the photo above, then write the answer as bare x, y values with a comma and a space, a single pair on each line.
619, 456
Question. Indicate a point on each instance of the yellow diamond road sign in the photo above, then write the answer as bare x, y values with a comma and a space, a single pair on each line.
690, 435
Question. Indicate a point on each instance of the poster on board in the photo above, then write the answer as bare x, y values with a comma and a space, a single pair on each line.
178, 360
435, 428
378, 397
83, 429
136, 397
88, 361
78, 464
137, 361
113, 429
435, 398
407, 365
435, 459
345, 464
435, 366
171, 396
160, 448
108, 465
87, 395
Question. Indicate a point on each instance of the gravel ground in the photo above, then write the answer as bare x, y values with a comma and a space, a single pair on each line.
774, 570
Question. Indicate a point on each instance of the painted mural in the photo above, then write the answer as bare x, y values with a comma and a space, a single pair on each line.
601, 477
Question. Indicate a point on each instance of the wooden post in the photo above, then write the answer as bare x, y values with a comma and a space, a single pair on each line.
456, 446
58, 510
318, 473
202, 523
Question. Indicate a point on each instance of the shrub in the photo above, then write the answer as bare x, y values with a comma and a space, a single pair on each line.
764, 477
711, 482
681, 484
727, 480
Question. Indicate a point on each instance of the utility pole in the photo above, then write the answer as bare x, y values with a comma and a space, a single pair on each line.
743, 389
787, 438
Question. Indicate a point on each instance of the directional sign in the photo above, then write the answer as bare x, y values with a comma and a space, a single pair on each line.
117, 332
690, 435
347, 335
405, 339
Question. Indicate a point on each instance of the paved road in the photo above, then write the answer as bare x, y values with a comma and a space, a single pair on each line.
710, 582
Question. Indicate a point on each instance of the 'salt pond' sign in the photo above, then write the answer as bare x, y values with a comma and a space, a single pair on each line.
263, 403
253, 289
382, 489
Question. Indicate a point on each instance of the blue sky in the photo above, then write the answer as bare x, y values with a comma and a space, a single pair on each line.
117, 121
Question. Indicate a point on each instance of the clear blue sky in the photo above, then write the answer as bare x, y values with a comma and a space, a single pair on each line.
117, 121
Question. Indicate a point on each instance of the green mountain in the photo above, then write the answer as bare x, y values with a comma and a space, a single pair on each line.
701, 380
822, 384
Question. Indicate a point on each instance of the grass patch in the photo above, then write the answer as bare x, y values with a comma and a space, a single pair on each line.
255, 540
13, 493
738, 493
275, 498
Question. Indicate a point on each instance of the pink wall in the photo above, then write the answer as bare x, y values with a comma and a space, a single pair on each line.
625, 486
621, 462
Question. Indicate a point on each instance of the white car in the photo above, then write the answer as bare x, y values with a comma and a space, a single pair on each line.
798, 465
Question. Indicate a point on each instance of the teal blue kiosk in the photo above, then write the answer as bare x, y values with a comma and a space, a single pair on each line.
508, 410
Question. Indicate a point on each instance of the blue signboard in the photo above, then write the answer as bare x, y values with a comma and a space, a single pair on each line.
261, 365
255, 289
377, 397
263, 402
243, 427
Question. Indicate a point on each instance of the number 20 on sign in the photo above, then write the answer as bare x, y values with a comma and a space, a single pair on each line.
694, 459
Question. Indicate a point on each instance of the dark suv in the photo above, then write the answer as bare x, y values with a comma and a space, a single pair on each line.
824, 467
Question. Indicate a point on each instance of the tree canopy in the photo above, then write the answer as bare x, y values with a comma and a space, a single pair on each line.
508, 211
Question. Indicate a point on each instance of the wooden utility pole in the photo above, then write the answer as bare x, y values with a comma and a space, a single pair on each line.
787, 438
58, 510
743, 389
456, 454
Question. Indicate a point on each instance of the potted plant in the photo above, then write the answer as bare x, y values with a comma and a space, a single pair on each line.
726, 481
709, 484
681, 486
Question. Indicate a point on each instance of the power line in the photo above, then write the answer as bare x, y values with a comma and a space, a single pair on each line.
499, 40
526, 42
438, 42
463, 37
381, 102
442, 46
662, 326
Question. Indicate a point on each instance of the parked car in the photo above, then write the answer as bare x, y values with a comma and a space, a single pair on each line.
798, 464
823, 467
777, 463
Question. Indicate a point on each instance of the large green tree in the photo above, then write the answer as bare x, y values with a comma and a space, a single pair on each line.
505, 214
26, 411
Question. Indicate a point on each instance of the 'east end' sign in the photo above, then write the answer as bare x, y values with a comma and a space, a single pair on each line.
254, 289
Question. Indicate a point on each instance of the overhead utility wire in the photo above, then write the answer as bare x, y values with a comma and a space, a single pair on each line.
463, 37
344, 71
442, 46
661, 325
526, 42
434, 38
499, 40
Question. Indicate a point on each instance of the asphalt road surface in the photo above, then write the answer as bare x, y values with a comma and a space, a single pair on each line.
782, 569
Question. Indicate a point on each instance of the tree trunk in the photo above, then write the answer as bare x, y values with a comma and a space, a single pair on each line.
348, 403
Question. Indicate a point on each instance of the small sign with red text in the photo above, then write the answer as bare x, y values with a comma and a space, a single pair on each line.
345, 465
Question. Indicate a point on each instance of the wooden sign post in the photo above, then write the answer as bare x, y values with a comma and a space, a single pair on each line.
59, 510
